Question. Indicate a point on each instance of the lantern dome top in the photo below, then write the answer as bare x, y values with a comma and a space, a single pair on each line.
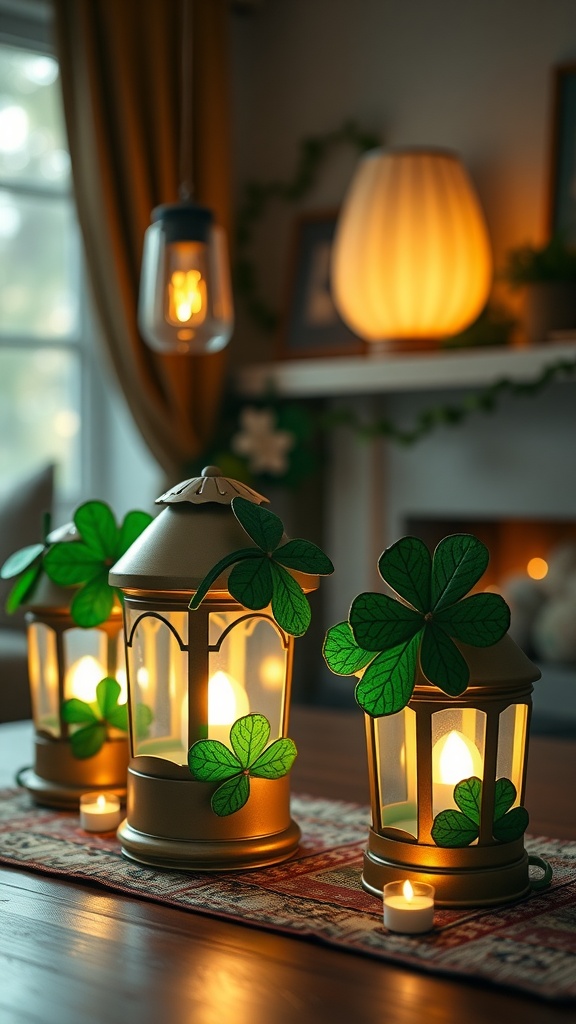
192, 534
210, 486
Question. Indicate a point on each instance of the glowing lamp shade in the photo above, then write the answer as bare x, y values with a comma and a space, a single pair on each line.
185, 303
411, 258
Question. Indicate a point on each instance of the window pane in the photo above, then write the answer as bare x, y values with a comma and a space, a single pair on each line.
39, 264
33, 147
39, 414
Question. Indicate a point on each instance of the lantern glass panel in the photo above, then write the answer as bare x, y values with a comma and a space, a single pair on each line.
158, 672
458, 740
397, 770
43, 673
89, 656
247, 672
511, 746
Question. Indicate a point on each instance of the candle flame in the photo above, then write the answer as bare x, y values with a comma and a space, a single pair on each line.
101, 802
227, 700
407, 891
456, 761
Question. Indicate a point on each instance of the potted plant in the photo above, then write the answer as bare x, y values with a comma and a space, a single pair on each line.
547, 274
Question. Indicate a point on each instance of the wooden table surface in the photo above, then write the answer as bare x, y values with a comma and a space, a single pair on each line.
72, 954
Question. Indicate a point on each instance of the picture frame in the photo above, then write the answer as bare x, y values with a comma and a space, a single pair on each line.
312, 326
562, 188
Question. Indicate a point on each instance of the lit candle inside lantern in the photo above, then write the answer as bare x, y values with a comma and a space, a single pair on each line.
454, 758
83, 677
408, 907
99, 812
227, 701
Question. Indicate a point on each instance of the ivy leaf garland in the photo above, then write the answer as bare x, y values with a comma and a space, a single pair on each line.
213, 761
260, 576
390, 638
85, 563
460, 828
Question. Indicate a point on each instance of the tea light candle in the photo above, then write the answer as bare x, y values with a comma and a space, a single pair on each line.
99, 812
408, 907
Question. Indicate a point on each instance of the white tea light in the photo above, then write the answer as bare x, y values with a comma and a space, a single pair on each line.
408, 907
99, 812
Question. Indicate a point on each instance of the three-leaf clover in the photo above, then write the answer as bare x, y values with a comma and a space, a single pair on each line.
460, 828
213, 761
390, 638
85, 563
260, 575
95, 719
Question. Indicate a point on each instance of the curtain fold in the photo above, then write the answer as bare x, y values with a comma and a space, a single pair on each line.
121, 67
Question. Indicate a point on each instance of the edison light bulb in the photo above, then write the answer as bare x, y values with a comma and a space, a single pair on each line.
186, 297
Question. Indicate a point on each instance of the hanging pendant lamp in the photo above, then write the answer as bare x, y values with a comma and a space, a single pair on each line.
185, 303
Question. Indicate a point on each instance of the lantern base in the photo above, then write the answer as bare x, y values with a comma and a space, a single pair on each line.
64, 798
227, 855
486, 876
59, 779
170, 824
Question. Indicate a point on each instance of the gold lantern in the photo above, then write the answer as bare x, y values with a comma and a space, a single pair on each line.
418, 757
447, 696
191, 676
66, 662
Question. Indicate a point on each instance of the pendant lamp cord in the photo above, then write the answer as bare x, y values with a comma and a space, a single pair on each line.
186, 189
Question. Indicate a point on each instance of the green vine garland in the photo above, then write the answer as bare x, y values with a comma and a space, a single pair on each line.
451, 414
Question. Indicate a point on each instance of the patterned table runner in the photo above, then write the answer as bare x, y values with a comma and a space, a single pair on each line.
529, 946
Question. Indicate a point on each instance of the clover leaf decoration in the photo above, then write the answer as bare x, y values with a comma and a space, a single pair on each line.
96, 718
85, 563
460, 828
25, 566
388, 639
213, 761
260, 575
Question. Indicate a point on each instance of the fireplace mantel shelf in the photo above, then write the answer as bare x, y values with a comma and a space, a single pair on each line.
387, 373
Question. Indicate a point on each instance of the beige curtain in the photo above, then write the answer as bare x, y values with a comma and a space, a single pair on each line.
121, 64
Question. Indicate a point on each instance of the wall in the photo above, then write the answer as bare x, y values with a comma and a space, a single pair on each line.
476, 77
473, 76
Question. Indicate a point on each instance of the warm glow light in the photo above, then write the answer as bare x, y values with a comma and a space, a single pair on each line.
272, 672
411, 256
101, 802
187, 297
83, 677
407, 891
455, 758
227, 700
537, 568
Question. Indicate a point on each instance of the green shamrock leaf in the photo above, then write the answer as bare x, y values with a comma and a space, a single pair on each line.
25, 566
418, 628
260, 576
213, 761
96, 718
85, 563
460, 828
341, 652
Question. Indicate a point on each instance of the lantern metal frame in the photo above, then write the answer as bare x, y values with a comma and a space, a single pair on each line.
58, 778
169, 818
488, 872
